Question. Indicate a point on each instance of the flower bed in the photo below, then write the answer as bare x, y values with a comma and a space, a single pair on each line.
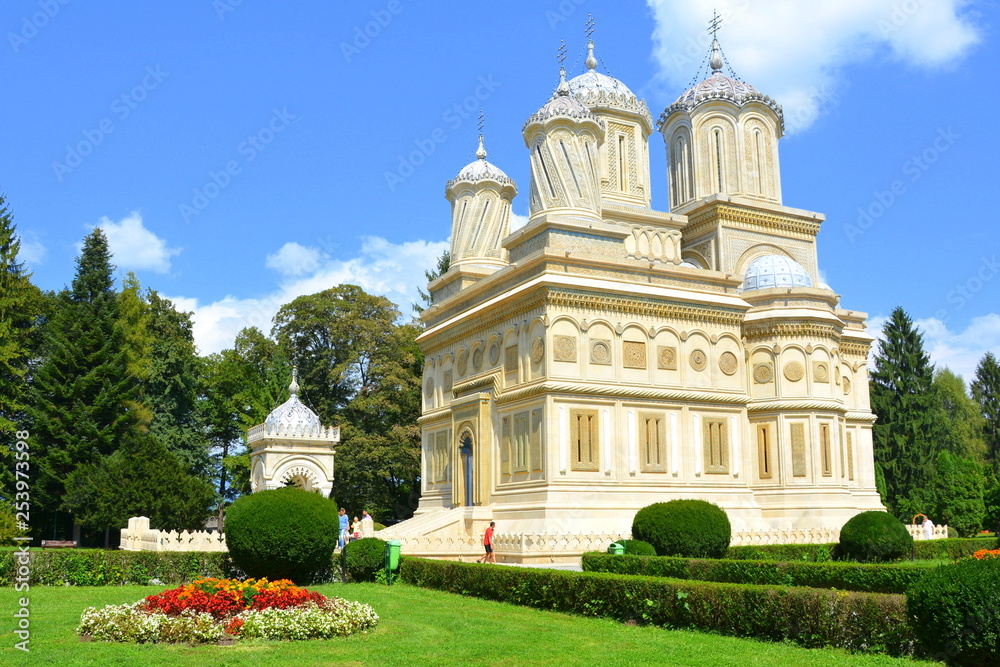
984, 554
210, 610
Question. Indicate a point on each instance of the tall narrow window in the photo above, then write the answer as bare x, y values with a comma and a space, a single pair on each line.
505, 448
536, 441
824, 443
652, 442
688, 192
759, 155
675, 184
850, 456
569, 166
521, 442
622, 184
717, 135
545, 169
764, 463
584, 439
479, 227
716, 445
590, 159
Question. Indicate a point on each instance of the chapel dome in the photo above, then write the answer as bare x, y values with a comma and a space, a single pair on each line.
775, 271
481, 170
596, 90
292, 415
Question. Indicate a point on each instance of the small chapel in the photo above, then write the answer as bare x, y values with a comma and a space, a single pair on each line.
607, 355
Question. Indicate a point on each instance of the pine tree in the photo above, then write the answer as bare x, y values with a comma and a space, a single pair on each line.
959, 421
81, 392
986, 393
441, 268
902, 399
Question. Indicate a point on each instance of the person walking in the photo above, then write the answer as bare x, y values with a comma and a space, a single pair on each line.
355, 530
928, 528
367, 524
490, 556
344, 523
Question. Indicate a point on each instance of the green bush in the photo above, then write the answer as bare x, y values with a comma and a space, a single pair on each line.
637, 548
807, 616
816, 553
286, 533
874, 537
956, 613
689, 528
98, 567
363, 559
866, 577
8, 525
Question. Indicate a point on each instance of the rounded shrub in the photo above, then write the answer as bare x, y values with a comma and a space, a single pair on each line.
637, 548
285, 533
363, 558
686, 528
955, 612
874, 537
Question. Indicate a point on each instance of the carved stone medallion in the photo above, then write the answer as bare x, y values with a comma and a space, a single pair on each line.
666, 357
699, 360
477, 358
821, 371
600, 352
634, 354
494, 354
537, 350
463, 361
565, 348
728, 363
793, 371
429, 388
847, 385
763, 373
447, 381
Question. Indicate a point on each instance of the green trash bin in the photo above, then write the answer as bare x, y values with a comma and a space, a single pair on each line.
616, 549
392, 548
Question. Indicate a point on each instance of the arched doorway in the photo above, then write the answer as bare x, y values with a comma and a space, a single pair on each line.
466, 457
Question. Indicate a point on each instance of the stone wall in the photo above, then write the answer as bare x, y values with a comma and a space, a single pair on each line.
140, 537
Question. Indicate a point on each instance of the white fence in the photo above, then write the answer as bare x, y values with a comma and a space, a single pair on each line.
140, 537
940, 532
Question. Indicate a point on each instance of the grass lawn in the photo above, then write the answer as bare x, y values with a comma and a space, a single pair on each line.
417, 627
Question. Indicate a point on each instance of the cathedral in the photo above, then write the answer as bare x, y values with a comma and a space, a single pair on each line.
607, 355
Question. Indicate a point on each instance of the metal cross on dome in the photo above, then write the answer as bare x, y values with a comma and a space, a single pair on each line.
589, 27
482, 121
715, 23
561, 52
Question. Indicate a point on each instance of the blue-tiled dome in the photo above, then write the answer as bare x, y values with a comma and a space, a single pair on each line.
775, 271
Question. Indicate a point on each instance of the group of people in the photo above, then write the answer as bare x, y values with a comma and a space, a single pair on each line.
354, 530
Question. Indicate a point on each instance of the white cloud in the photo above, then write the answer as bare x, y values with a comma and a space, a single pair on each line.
517, 221
294, 259
793, 51
388, 269
32, 250
960, 351
135, 247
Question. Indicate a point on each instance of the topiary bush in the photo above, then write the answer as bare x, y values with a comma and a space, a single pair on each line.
688, 528
955, 612
637, 548
286, 533
363, 559
874, 537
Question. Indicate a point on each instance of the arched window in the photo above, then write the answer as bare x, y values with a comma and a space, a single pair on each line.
758, 151
717, 141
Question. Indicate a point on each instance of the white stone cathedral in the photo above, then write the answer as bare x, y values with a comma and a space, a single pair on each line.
607, 355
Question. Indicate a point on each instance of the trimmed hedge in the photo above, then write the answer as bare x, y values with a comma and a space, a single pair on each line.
956, 613
868, 578
949, 549
688, 528
97, 567
362, 559
874, 537
637, 548
807, 616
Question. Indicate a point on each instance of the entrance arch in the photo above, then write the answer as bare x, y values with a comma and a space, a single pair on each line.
466, 447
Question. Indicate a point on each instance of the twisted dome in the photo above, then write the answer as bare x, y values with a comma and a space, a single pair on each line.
775, 271
481, 170
292, 415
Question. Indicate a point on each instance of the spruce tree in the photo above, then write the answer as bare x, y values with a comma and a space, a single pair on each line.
81, 392
986, 393
902, 399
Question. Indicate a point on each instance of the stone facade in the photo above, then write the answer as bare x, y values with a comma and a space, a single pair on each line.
623, 356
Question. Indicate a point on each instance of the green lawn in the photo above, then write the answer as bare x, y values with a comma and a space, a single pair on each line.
418, 627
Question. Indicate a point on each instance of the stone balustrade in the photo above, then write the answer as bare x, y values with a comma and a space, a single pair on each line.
299, 430
917, 531
140, 537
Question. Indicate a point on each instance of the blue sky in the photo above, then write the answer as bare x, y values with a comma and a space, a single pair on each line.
241, 153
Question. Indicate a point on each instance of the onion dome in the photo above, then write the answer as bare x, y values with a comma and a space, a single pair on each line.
563, 104
718, 86
600, 90
481, 170
292, 416
775, 271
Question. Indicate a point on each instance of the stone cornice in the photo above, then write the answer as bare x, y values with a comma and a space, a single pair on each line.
854, 348
441, 414
777, 329
798, 404
859, 416
749, 218
489, 381
644, 307
622, 392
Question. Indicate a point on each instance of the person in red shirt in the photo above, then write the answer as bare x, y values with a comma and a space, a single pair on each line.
489, 556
